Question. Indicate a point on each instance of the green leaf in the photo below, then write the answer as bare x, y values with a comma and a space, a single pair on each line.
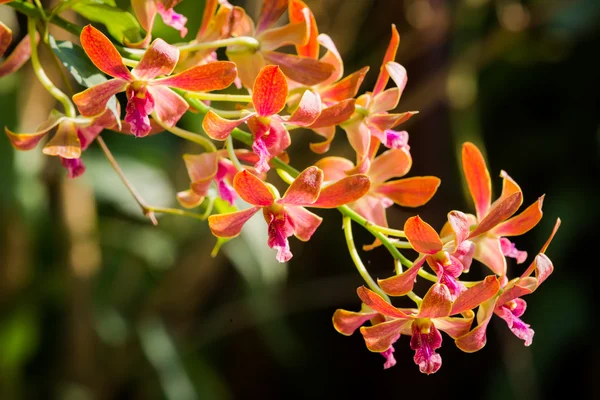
120, 24
81, 68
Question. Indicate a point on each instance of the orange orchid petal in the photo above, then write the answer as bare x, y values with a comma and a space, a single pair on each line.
455, 327
270, 91
299, 12
304, 70
249, 65
390, 55
392, 163
385, 101
201, 166
334, 115
344, 191
498, 213
459, 224
410, 192
476, 338
447, 230
103, 53
230, 225
398, 74
210, 6
373, 300
332, 57
305, 188
346, 88
389, 121
380, 337
554, 230
523, 222
252, 190
18, 57
168, 105
436, 303
328, 132
400, 285
65, 142
307, 111
93, 101
203, 78
305, 222
489, 252
219, 128
422, 237
359, 138
475, 295
27, 141
270, 13
145, 12
542, 267
160, 59
346, 322
478, 178
509, 186
5, 38
189, 199
334, 168
292, 34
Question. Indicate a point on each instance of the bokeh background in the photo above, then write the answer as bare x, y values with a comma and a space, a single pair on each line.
96, 303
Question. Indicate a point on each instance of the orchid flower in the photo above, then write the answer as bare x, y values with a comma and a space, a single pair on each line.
286, 216
491, 225
146, 92
205, 168
146, 11
20, 54
374, 119
270, 135
250, 61
393, 163
447, 261
423, 325
508, 305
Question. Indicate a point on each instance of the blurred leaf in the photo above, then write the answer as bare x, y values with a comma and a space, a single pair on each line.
18, 338
80, 67
120, 24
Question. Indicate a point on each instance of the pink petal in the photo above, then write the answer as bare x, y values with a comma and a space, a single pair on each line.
543, 268
230, 225
219, 128
304, 70
400, 285
390, 55
74, 166
516, 325
334, 115
447, 271
390, 164
27, 141
489, 253
475, 295
305, 188
382, 336
308, 110
385, 101
436, 303
523, 222
422, 237
499, 212
346, 88
201, 166
410, 192
103, 53
476, 338
344, 191
65, 142
259, 147
18, 57
203, 78
478, 178
425, 340
372, 208
140, 104
225, 191
172, 19
378, 304
346, 322
280, 228
334, 168
160, 59
510, 250
396, 139
305, 223
270, 13
398, 74
390, 360
270, 91
464, 254
252, 190
168, 105
93, 101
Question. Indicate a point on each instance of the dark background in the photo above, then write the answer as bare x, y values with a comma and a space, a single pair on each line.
95, 302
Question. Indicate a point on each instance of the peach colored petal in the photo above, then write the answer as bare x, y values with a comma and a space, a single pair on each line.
372, 209
252, 190
201, 166
219, 128
203, 78
65, 142
299, 12
392, 163
489, 252
160, 59
410, 192
5, 38
400, 285
390, 55
18, 57
334, 168
422, 237
270, 91
27, 141
509, 186
305, 188
460, 227
145, 12
359, 138
478, 178
475, 295
476, 338
380, 337
455, 327
230, 225
346, 88
398, 74
292, 34
388, 121
270, 13
521, 223
307, 111
103, 53
328, 132
385, 101
334, 115
304, 70
332, 56
93, 101
248, 65
168, 105
344, 191
373, 300
498, 213
305, 223
436, 303
189, 199
346, 322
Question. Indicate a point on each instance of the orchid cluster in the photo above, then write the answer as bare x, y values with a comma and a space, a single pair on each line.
274, 94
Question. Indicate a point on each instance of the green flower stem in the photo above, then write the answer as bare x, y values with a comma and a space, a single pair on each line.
203, 108
187, 135
175, 211
231, 154
33, 12
402, 245
362, 270
240, 98
389, 231
245, 41
129, 62
427, 275
41, 74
